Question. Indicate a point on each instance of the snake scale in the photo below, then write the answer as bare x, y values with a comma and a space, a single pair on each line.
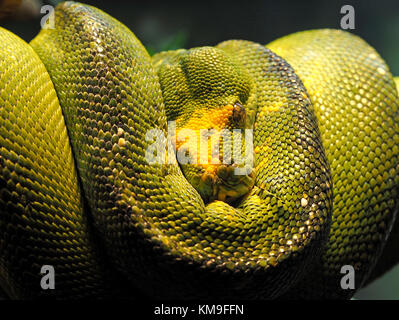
77, 191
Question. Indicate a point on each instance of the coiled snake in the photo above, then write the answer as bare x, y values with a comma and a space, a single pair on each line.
77, 191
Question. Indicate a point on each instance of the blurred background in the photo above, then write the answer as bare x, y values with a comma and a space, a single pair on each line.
170, 25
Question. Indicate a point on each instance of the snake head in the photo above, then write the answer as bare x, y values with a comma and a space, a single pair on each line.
209, 96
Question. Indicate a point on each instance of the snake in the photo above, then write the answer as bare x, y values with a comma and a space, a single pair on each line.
100, 178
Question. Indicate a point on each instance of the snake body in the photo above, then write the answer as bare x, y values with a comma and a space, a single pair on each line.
78, 193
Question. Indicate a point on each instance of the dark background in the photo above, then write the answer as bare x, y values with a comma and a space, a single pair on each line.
175, 24
162, 25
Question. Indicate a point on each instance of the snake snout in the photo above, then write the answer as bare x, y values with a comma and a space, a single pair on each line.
233, 186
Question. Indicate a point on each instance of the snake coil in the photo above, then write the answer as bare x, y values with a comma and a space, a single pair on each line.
77, 191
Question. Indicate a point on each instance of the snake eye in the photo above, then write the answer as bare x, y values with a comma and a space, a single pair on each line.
239, 113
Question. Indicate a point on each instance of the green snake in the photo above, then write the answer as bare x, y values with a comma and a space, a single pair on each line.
77, 191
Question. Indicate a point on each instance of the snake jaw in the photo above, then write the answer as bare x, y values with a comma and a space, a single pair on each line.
220, 182
228, 191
